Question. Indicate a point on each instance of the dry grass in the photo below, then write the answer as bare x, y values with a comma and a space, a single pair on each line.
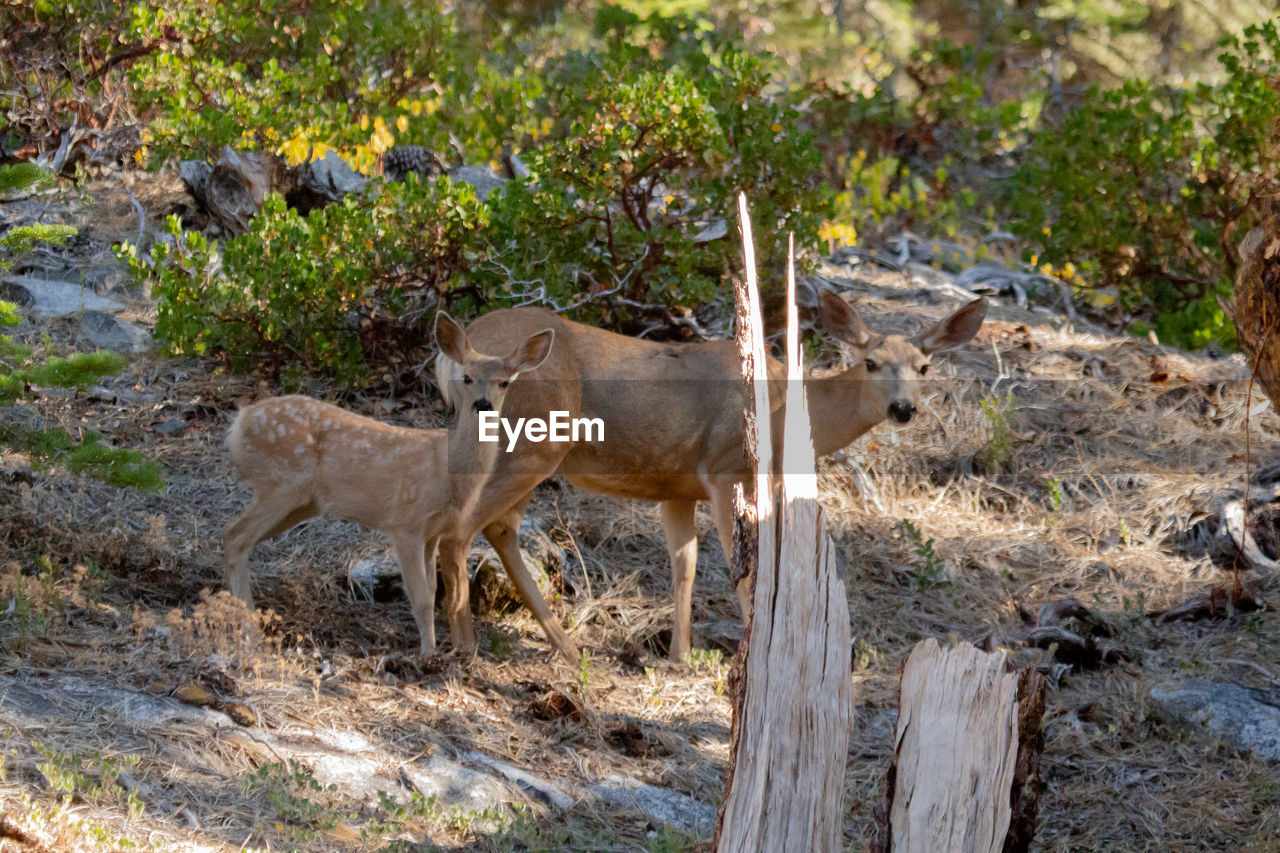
1084, 490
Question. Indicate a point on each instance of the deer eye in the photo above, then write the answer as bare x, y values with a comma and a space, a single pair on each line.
505, 383
466, 380
924, 368
872, 365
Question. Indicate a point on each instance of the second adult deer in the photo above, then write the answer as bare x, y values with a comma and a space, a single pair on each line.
305, 458
673, 429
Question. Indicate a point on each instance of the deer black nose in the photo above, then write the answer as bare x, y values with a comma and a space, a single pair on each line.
482, 406
902, 410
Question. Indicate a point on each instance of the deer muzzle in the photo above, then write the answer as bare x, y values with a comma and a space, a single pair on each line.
902, 410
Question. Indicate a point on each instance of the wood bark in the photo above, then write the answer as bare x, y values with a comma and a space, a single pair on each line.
966, 768
1255, 308
793, 696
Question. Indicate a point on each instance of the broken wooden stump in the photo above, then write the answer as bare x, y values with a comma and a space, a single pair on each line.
793, 700
966, 766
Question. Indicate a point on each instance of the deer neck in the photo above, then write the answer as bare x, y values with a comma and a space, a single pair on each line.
470, 461
840, 410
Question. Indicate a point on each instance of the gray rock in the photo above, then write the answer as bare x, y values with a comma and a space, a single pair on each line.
1243, 719
714, 231
676, 810
457, 786
376, 579
532, 786
173, 426
106, 278
42, 299
330, 177
484, 179
361, 768
109, 332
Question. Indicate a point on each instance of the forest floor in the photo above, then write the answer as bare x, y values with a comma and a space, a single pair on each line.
1048, 461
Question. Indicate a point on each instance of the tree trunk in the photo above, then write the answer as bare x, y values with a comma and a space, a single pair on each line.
1256, 306
965, 773
793, 696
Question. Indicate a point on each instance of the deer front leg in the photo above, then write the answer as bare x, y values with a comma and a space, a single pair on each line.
682, 546
452, 560
416, 557
502, 535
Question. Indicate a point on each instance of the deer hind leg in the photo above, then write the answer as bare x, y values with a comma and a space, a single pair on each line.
417, 559
503, 536
722, 511
270, 514
682, 546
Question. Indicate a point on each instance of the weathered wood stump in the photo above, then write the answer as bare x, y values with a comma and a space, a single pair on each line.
966, 767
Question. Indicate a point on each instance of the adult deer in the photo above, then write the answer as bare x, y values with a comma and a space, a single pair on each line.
673, 432
306, 458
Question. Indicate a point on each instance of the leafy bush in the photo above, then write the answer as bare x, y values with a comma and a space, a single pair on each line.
1138, 187
333, 291
654, 136
333, 72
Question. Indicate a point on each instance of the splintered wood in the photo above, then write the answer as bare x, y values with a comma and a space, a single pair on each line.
965, 775
792, 706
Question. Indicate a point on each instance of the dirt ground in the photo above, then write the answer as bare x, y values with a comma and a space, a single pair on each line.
1047, 461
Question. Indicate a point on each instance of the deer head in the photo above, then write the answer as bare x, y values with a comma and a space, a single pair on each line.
471, 380
888, 367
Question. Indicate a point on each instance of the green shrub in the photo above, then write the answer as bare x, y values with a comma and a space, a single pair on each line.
1138, 186
339, 73
654, 136
335, 291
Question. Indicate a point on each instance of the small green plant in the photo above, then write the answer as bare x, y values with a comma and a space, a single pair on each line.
20, 368
118, 466
929, 570
583, 682
712, 661
1054, 487
298, 802
91, 775
999, 450
865, 653
396, 818
23, 238
503, 642
20, 177
1253, 624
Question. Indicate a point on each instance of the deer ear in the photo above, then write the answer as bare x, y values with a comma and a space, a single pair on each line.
452, 338
838, 319
954, 330
532, 352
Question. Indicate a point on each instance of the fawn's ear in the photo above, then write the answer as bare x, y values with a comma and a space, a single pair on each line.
953, 330
452, 338
838, 319
532, 352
